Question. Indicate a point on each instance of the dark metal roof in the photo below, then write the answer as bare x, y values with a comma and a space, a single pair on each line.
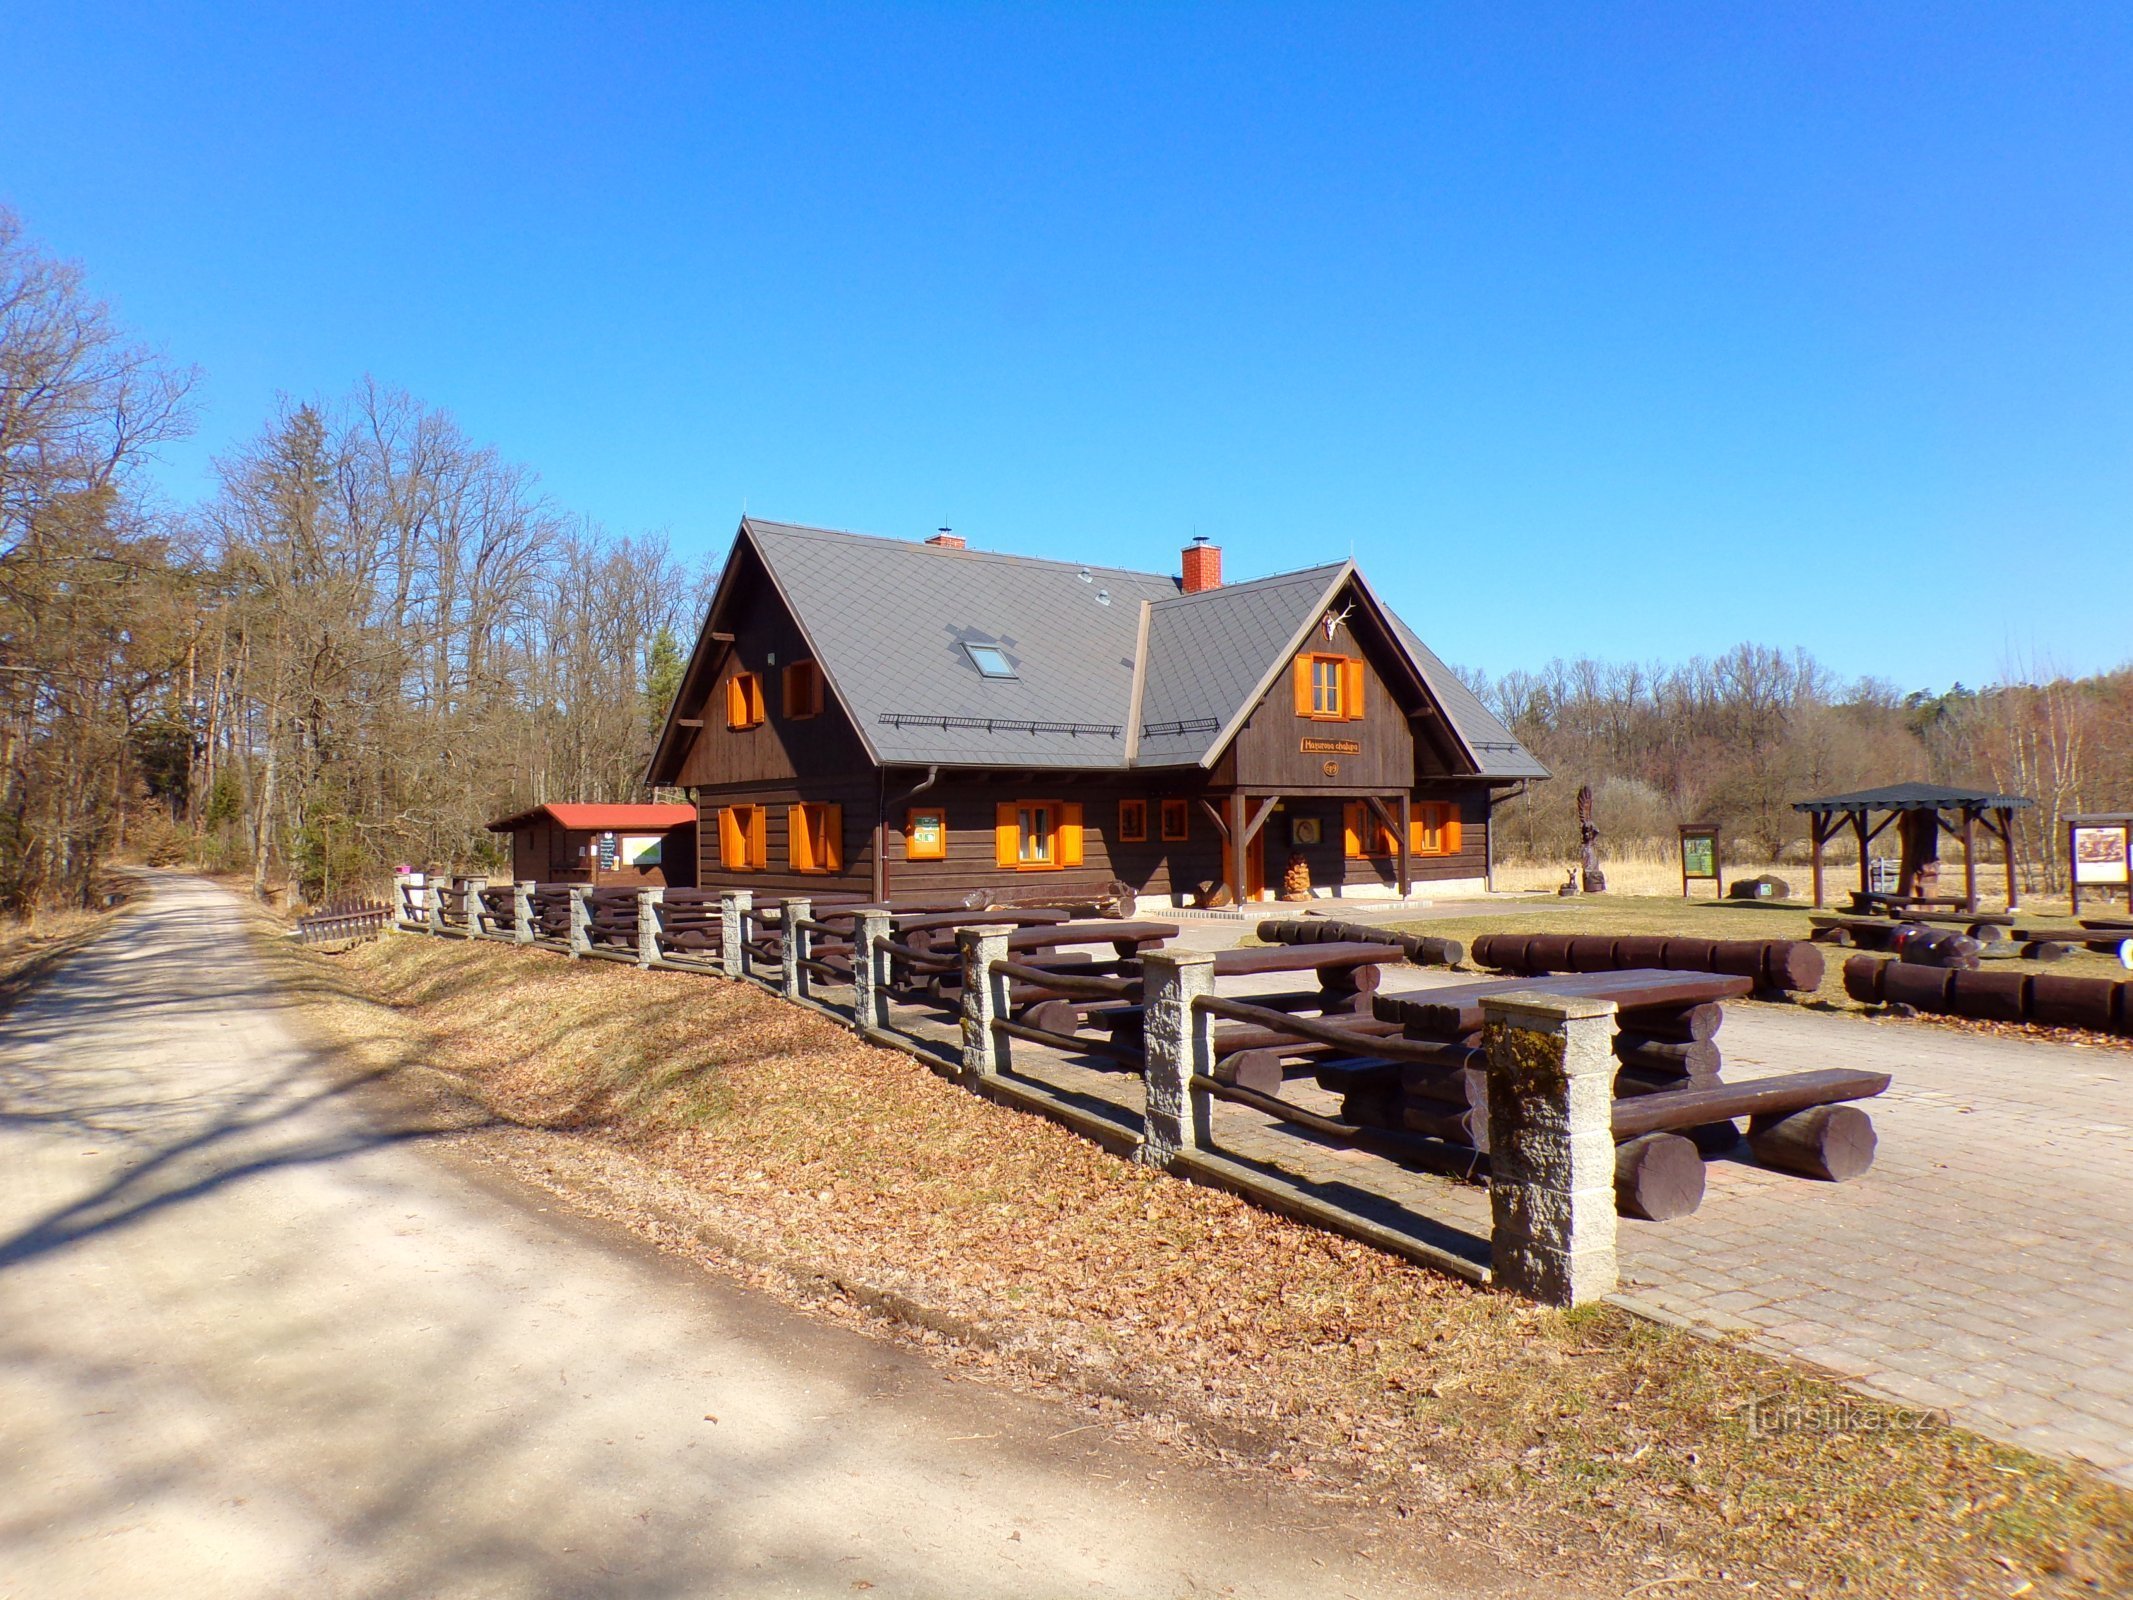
1917, 797
1210, 653
888, 620
1496, 750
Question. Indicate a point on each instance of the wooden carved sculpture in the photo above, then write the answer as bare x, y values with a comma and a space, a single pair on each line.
1589, 844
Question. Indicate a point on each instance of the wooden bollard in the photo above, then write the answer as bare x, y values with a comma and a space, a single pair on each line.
1658, 1177
1831, 1142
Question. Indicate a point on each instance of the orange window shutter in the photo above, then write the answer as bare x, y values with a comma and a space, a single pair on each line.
1070, 833
1351, 690
730, 843
1006, 835
736, 704
799, 844
1451, 830
1303, 686
832, 850
1352, 828
755, 699
758, 831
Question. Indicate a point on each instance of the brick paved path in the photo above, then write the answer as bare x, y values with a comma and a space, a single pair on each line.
1984, 1266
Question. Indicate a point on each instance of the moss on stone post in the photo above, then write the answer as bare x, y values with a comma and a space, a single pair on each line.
1551, 1145
1178, 1044
870, 971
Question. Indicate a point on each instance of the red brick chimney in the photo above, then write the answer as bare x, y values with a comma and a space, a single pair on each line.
1203, 565
947, 540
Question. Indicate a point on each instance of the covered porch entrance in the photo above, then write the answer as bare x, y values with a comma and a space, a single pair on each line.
1241, 819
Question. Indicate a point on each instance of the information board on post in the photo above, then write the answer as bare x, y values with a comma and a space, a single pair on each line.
1699, 855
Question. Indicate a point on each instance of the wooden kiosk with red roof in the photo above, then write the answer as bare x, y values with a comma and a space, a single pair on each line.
606, 846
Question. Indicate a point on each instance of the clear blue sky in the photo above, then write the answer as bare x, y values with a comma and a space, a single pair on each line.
1632, 330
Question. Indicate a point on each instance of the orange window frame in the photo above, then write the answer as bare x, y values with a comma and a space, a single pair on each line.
917, 847
1177, 821
1037, 835
802, 691
814, 837
744, 701
1329, 688
1433, 829
742, 842
1133, 821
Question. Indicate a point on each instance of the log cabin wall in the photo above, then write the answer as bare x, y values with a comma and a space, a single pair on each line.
542, 852
1153, 866
1279, 751
783, 748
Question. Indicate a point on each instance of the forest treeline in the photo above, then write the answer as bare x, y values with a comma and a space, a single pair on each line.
372, 636
1737, 740
376, 634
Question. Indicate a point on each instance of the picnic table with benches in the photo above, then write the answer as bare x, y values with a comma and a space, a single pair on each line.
1416, 1067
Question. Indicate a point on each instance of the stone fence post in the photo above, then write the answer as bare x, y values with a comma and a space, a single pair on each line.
1179, 1043
986, 1054
433, 903
793, 943
580, 922
522, 910
870, 970
470, 907
1551, 1145
733, 908
648, 903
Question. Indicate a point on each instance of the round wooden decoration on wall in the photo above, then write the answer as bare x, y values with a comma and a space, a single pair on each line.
1331, 769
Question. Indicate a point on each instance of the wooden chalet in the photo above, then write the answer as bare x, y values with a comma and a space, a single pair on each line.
892, 716
607, 846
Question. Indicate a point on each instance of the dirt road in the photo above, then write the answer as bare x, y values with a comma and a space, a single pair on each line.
253, 1343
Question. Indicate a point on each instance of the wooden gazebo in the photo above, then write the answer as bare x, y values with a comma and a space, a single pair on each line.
1921, 812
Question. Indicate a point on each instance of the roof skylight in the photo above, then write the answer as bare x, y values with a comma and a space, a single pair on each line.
990, 660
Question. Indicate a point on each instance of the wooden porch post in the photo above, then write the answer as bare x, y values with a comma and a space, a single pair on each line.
1407, 813
2007, 844
1866, 881
1238, 845
1818, 832
1969, 858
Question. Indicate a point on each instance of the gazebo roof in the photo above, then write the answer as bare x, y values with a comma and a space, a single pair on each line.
1917, 797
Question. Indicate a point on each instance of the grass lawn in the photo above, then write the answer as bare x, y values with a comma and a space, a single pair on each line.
764, 1140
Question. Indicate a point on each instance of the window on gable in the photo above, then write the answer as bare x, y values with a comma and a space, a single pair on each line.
1132, 821
990, 660
1037, 835
803, 690
1329, 688
744, 701
814, 838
